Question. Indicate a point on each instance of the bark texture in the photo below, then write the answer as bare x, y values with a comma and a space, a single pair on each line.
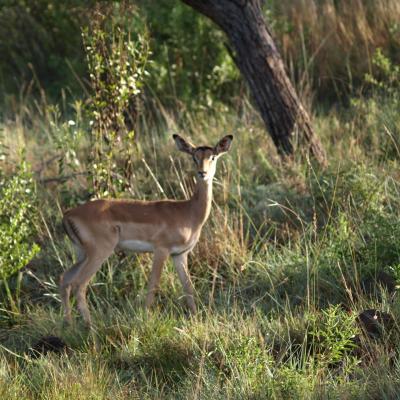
260, 63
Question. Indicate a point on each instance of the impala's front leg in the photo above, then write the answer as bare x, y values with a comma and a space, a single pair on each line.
160, 256
180, 262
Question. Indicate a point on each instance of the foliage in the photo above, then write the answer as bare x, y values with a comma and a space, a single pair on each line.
116, 64
381, 89
327, 47
191, 64
190, 61
386, 79
40, 41
284, 263
332, 335
18, 214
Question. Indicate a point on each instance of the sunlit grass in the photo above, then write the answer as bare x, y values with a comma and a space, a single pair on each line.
280, 272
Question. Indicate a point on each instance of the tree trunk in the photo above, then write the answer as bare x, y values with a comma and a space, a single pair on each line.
259, 61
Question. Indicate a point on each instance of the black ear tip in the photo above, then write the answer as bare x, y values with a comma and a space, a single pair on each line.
175, 136
230, 137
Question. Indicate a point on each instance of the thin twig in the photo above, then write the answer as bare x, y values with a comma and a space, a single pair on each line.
62, 178
46, 163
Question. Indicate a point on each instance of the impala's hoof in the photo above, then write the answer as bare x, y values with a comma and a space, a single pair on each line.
67, 321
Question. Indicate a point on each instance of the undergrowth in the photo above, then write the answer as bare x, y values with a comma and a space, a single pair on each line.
289, 258
296, 272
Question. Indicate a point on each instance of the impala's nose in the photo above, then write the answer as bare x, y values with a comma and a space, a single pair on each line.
201, 174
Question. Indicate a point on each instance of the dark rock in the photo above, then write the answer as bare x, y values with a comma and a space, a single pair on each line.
48, 344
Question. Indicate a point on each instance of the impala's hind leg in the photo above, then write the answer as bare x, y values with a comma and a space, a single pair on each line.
66, 282
94, 260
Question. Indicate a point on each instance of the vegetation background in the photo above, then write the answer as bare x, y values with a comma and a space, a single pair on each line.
291, 257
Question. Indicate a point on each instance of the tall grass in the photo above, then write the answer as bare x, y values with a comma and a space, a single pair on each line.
288, 259
329, 45
290, 256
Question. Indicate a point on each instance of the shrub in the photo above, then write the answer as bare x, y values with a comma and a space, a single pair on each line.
116, 63
377, 109
333, 333
18, 213
36, 39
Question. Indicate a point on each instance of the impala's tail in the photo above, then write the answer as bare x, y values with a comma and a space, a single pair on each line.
71, 230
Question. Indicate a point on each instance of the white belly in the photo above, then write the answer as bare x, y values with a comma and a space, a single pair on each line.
140, 246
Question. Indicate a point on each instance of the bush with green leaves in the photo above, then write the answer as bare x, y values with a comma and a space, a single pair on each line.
18, 216
117, 67
191, 64
333, 333
377, 109
40, 40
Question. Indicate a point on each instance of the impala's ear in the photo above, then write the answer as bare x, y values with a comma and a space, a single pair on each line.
183, 145
223, 145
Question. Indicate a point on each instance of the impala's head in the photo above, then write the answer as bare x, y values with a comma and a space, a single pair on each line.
204, 157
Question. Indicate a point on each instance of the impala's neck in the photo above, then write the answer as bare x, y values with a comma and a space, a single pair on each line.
201, 200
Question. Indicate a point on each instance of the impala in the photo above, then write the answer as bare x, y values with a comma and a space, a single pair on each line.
164, 228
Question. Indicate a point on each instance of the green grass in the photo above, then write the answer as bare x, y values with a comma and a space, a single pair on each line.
280, 271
